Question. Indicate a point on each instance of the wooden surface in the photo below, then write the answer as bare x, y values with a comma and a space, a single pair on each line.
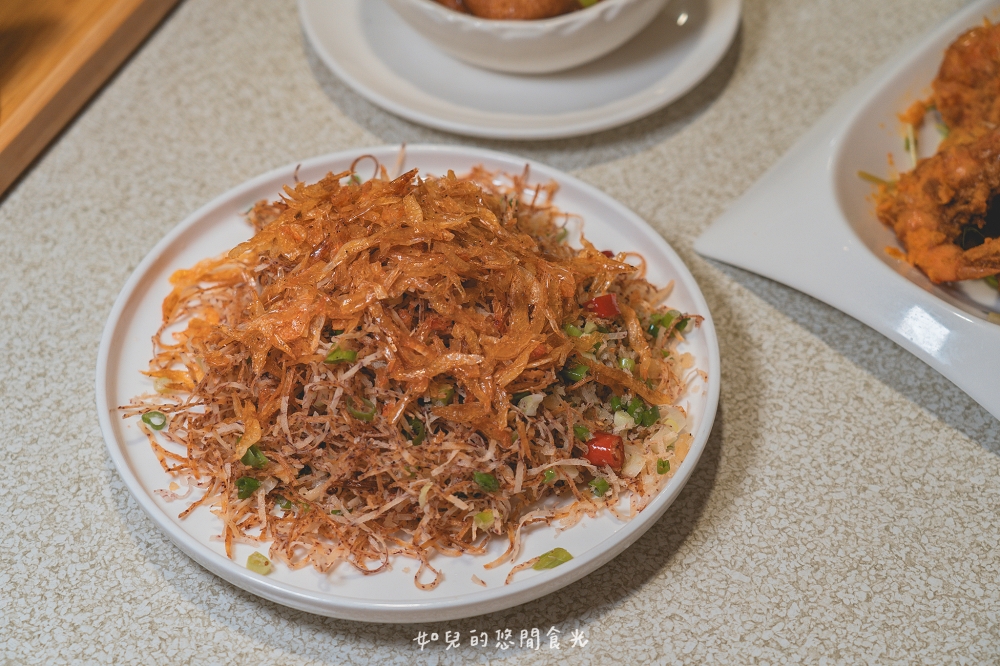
54, 54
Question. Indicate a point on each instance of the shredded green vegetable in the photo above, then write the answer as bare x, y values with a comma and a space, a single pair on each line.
155, 420
872, 178
417, 429
367, 415
911, 143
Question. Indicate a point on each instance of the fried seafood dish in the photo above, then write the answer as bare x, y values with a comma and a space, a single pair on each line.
944, 214
943, 210
517, 10
414, 366
967, 87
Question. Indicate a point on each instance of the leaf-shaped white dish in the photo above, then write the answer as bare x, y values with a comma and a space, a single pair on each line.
809, 223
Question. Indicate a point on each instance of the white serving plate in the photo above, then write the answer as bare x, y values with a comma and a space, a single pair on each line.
390, 596
810, 223
374, 52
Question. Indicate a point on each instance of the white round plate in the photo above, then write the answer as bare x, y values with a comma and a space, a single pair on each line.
372, 50
389, 596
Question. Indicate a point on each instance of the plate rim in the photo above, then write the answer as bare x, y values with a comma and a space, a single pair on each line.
444, 608
561, 126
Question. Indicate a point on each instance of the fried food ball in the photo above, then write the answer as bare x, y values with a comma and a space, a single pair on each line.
967, 87
519, 10
946, 212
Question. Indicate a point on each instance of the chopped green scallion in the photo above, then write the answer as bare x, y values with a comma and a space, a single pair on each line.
338, 355
519, 396
635, 408
992, 281
483, 519
549, 476
600, 486
650, 416
572, 331
616, 403
487, 481
417, 429
254, 458
442, 394
246, 486
552, 559
283, 503
626, 364
662, 466
582, 432
367, 414
155, 420
575, 373
258, 563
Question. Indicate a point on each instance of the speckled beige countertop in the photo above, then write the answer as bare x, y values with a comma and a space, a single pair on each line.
845, 509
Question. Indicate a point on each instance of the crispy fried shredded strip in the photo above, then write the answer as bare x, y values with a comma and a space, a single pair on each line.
411, 366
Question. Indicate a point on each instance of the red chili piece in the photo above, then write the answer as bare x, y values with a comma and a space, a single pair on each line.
605, 306
606, 449
608, 253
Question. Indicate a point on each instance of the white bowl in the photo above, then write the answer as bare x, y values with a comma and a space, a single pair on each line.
530, 47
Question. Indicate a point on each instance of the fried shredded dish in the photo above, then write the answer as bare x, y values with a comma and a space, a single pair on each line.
946, 211
413, 366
